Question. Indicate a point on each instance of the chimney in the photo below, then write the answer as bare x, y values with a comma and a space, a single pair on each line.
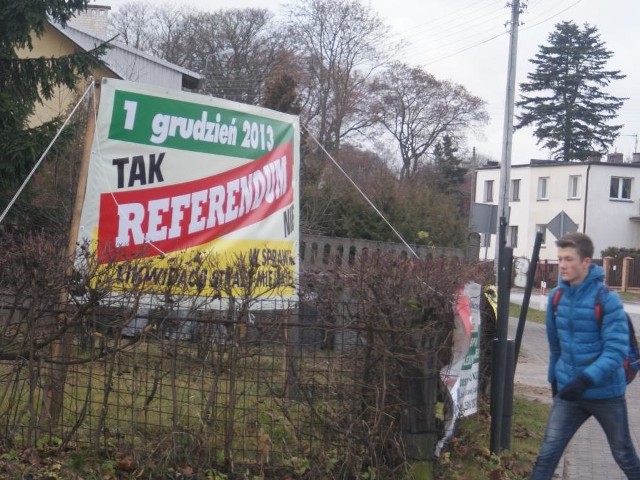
635, 158
93, 20
614, 157
594, 157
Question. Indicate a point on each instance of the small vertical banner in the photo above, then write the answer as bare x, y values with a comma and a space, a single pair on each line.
461, 377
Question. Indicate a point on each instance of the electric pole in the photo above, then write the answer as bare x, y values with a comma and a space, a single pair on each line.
507, 134
502, 377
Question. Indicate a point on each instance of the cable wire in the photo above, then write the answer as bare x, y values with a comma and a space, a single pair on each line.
364, 195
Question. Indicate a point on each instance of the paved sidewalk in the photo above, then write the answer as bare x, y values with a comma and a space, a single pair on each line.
588, 456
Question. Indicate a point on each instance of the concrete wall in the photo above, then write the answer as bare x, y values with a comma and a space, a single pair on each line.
318, 252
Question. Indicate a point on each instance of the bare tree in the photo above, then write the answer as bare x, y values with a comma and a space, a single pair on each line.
339, 41
133, 24
418, 110
169, 38
239, 50
164, 31
236, 50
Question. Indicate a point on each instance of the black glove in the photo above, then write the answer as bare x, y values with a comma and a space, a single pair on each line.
575, 388
554, 388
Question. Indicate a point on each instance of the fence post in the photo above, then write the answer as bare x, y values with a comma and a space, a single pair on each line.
606, 265
54, 386
419, 390
626, 270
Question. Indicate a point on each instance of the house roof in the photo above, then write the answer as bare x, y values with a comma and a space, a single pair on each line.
559, 164
129, 63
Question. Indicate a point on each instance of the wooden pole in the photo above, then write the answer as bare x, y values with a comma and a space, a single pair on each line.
84, 172
60, 349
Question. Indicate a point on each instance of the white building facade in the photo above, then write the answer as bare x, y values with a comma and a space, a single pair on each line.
601, 198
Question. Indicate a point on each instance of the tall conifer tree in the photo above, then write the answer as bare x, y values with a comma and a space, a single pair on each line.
564, 96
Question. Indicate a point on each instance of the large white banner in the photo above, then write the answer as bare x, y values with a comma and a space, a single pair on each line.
175, 177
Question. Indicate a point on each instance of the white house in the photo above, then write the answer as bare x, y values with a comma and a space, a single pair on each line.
601, 198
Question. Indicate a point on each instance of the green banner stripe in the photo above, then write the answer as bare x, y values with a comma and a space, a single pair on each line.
150, 120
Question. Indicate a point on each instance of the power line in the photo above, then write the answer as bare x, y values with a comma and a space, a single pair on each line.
494, 36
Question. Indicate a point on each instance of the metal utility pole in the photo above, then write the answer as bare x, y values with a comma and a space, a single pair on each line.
502, 377
507, 135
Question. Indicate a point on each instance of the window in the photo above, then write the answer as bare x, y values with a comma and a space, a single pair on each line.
488, 190
515, 190
574, 186
512, 236
620, 188
543, 229
543, 188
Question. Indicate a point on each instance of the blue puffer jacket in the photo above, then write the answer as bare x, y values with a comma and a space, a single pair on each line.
578, 345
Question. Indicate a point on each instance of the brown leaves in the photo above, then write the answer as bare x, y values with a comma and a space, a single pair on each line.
126, 463
187, 471
497, 474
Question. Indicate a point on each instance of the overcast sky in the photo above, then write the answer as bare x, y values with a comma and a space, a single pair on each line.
467, 41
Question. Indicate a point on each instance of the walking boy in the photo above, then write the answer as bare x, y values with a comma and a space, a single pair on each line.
586, 369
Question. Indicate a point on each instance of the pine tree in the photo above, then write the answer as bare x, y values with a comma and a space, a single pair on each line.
564, 97
448, 166
26, 81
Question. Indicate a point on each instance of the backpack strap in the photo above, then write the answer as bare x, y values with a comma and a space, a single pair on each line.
599, 305
555, 300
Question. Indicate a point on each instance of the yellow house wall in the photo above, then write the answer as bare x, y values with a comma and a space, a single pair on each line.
53, 44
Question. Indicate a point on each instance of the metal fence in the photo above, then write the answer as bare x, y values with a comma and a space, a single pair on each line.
293, 388
634, 272
548, 271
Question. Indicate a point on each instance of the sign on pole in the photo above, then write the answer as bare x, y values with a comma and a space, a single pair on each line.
175, 177
562, 224
483, 218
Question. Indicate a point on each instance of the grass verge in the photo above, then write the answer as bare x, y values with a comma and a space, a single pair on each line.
533, 315
630, 296
467, 457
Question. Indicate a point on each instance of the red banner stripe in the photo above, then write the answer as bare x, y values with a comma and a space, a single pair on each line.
147, 222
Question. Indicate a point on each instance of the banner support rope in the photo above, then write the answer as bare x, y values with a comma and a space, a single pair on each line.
44, 154
364, 195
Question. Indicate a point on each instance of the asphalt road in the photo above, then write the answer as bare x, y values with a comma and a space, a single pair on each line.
531, 368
